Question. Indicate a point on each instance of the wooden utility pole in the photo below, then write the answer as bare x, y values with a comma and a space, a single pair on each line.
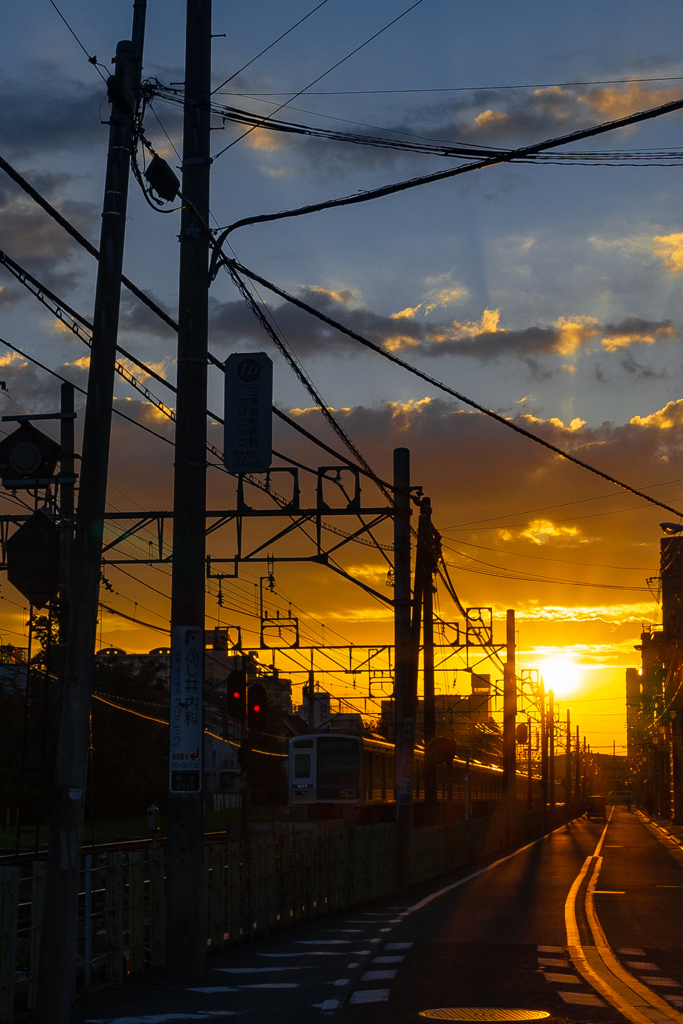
509, 715
404, 696
186, 882
58, 934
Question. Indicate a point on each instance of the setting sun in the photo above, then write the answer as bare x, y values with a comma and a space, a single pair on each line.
561, 675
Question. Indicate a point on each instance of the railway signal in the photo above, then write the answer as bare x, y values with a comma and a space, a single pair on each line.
256, 708
237, 695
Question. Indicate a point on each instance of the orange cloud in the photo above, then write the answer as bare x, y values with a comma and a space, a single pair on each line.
489, 117
615, 101
663, 419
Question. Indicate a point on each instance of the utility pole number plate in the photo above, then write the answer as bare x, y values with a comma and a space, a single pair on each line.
187, 710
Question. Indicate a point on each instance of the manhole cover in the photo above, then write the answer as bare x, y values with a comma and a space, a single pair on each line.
482, 1013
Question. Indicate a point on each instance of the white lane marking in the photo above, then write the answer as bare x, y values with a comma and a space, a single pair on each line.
394, 920
323, 942
559, 979
320, 952
551, 949
346, 931
632, 952
262, 970
213, 989
340, 981
475, 874
351, 966
608, 892
582, 998
274, 984
398, 945
382, 930
327, 1004
641, 965
162, 1018
546, 961
664, 982
372, 995
387, 959
378, 975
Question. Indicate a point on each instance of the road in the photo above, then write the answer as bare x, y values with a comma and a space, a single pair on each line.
519, 934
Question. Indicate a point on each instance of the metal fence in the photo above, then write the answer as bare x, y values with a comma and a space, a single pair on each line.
267, 883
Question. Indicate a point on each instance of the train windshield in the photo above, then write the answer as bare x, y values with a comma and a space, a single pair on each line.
338, 761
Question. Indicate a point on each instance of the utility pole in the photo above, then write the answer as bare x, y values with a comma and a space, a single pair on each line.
544, 758
577, 783
430, 553
404, 697
551, 751
66, 515
310, 696
509, 715
186, 883
568, 766
529, 780
58, 935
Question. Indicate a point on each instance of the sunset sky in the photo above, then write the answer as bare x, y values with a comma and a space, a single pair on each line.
551, 294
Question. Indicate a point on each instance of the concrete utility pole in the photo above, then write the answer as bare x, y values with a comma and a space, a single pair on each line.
544, 758
426, 540
551, 750
404, 696
529, 780
577, 783
568, 765
186, 882
509, 715
58, 935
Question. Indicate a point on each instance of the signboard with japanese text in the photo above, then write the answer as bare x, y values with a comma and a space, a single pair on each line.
187, 709
248, 438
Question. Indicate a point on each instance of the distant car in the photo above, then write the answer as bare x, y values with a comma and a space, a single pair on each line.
596, 807
620, 796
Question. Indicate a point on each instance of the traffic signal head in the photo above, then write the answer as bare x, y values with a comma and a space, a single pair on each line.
256, 708
237, 695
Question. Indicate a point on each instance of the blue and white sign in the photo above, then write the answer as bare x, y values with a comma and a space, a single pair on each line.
248, 442
187, 709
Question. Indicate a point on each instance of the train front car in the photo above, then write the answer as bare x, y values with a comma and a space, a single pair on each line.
325, 774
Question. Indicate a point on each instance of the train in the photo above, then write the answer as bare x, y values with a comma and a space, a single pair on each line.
350, 776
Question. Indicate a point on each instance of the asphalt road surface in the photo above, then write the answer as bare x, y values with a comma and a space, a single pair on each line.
533, 931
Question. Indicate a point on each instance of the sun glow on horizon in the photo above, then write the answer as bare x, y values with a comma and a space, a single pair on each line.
561, 675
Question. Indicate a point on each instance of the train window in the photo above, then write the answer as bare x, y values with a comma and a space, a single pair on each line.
338, 761
302, 766
299, 744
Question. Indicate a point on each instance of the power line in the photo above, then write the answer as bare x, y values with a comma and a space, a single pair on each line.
508, 156
325, 73
91, 60
450, 391
458, 88
269, 47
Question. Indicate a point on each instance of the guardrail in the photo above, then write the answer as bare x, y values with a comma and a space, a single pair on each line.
270, 882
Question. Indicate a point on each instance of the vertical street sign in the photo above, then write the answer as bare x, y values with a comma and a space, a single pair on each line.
248, 413
187, 711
